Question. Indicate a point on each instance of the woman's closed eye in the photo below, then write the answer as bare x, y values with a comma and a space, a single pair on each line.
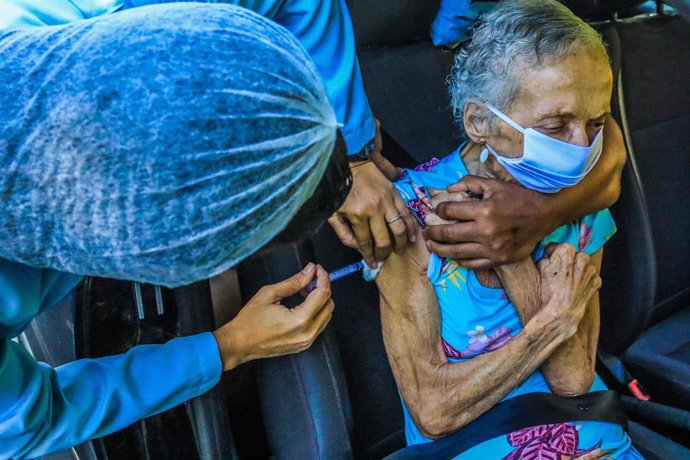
550, 129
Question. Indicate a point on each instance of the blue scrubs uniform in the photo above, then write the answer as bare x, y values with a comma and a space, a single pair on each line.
45, 409
453, 20
323, 27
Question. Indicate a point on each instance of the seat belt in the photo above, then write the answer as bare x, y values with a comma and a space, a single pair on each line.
527, 410
612, 367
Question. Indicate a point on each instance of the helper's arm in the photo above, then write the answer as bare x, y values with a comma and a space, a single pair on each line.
569, 371
601, 188
442, 396
510, 220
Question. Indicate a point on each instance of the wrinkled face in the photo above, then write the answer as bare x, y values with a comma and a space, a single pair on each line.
567, 99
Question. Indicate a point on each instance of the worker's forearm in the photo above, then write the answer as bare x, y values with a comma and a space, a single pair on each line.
599, 189
570, 369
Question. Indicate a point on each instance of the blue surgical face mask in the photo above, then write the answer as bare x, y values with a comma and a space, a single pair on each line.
547, 165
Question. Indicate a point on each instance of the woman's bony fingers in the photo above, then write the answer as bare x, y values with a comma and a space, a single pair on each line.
581, 265
550, 248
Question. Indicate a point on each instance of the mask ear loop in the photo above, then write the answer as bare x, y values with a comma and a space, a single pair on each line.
504, 117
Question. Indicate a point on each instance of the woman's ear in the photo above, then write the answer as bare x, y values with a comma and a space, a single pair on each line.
476, 121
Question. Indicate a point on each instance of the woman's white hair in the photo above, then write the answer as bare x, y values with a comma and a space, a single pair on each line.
515, 34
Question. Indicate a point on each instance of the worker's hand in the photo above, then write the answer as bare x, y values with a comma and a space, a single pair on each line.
265, 328
504, 226
368, 220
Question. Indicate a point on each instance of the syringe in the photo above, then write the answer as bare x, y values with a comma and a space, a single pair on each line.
339, 273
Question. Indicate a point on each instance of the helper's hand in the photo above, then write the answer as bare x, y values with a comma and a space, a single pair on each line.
368, 220
568, 282
265, 328
504, 226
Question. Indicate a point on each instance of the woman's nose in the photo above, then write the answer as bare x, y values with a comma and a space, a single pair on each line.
580, 137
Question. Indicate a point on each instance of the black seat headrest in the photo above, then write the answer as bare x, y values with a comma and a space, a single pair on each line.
599, 9
391, 22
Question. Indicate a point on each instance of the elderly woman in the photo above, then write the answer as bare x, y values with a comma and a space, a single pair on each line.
532, 89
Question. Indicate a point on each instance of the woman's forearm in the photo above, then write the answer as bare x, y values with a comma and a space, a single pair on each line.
442, 397
569, 371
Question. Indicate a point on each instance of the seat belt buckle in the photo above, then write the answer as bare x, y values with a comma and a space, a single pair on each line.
638, 390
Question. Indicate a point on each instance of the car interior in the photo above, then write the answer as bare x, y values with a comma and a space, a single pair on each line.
338, 399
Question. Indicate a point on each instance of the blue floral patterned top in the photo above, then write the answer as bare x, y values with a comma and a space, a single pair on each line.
476, 319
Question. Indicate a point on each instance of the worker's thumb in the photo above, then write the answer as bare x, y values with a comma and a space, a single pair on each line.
292, 285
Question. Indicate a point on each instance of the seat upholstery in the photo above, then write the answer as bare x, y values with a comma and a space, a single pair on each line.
656, 85
407, 90
629, 287
657, 128
653, 446
660, 358
304, 397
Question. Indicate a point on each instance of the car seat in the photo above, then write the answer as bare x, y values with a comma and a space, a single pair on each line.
654, 95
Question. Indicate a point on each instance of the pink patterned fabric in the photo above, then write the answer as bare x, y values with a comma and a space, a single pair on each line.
546, 442
428, 166
585, 236
477, 347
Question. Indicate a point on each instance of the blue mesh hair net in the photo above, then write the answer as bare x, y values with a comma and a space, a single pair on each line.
162, 145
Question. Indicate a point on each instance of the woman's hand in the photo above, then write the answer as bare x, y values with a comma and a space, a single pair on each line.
265, 328
568, 282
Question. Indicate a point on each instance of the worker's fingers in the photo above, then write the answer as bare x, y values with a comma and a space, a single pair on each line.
274, 293
407, 217
342, 228
322, 319
387, 168
398, 230
460, 210
382, 239
316, 299
475, 185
